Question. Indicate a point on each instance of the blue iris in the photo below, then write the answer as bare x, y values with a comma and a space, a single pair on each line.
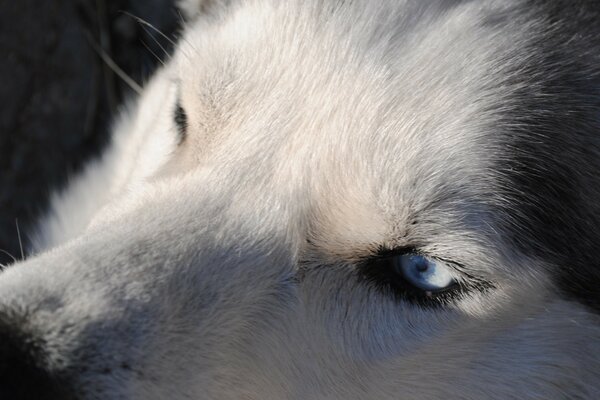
424, 273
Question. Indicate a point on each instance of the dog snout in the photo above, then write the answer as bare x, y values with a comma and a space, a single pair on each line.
24, 373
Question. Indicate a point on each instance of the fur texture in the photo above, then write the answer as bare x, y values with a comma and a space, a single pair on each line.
228, 265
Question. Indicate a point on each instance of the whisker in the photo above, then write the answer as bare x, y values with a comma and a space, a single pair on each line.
161, 33
113, 66
10, 255
148, 24
182, 37
167, 54
181, 17
160, 60
19, 237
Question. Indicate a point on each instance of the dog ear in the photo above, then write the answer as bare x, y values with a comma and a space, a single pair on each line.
191, 9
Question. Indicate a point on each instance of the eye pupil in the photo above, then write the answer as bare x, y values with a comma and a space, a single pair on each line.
422, 265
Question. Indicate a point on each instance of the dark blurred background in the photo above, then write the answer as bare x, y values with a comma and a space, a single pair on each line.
58, 95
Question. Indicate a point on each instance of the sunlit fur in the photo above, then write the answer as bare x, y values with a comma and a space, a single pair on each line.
319, 132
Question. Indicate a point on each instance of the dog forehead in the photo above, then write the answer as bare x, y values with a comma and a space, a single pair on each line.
344, 73
403, 98
403, 126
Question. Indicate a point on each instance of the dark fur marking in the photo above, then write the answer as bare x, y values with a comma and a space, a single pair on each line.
553, 129
23, 375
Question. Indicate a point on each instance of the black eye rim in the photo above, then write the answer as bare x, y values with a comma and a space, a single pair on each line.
181, 121
379, 272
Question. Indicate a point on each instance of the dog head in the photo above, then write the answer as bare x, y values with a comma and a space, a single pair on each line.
331, 200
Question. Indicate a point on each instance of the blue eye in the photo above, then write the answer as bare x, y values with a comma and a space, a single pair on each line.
424, 273
418, 279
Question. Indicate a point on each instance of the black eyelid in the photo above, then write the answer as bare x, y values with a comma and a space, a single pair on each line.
181, 120
400, 251
385, 252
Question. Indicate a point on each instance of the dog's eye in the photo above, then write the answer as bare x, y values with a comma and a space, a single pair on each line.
181, 121
423, 273
414, 277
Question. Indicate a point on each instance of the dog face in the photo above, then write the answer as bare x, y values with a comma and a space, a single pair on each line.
316, 200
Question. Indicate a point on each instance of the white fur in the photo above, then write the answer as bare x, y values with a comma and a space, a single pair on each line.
224, 268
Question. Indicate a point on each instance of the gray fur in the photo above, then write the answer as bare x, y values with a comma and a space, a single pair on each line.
227, 265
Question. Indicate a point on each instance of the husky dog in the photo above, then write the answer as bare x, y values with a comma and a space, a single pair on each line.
327, 199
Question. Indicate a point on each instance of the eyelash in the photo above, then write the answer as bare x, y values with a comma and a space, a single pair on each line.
379, 271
